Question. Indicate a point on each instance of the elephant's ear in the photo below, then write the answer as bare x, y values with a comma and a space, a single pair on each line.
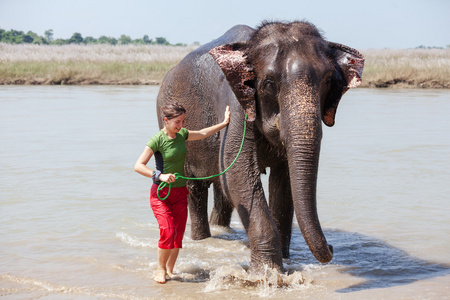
350, 64
232, 59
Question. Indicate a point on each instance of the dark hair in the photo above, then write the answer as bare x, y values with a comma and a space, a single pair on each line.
172, 110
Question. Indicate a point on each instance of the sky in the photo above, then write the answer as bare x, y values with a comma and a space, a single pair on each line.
363, 24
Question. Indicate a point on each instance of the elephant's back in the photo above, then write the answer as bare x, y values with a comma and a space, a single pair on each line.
197, 75
200, 58
238, 33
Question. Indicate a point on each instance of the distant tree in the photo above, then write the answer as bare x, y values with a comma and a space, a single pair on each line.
18, 37
90, 40
27, 39
16, 32
138, 42
13, 37
40, 40
161, 41
146, 40
60, 42
49, 35
107, 40
103, 40
76, 38
124, 40
34, 38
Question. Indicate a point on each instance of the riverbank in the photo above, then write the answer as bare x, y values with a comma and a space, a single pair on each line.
147, 65
416, 68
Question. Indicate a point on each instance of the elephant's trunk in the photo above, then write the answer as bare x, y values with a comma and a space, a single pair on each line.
302, 133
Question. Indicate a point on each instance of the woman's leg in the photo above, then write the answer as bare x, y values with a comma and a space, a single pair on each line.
171, 261
180, 215
172, 217
163, 214
163, 258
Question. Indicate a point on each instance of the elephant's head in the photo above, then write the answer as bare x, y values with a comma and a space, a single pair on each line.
287, 79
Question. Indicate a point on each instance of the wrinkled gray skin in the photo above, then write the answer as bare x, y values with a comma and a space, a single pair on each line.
287, 79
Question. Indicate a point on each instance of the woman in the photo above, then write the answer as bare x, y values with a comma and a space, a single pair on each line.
169, 148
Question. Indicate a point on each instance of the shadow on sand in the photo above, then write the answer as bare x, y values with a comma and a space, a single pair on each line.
381, 264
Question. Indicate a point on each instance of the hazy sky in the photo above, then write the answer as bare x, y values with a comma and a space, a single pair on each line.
359, 24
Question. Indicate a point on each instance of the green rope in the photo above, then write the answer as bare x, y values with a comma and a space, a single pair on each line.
164, 184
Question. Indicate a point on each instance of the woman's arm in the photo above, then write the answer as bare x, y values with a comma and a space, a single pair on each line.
141, 163
141, 167
205, 132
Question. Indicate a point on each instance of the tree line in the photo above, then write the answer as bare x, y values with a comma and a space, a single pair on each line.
19, 37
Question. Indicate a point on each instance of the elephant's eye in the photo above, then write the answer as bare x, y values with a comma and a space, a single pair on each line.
269, 86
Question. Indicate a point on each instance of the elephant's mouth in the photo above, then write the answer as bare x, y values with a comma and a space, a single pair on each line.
271, 128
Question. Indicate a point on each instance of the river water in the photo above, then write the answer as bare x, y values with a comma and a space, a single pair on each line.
76, 223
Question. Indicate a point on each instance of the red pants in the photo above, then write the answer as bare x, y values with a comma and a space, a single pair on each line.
171, 215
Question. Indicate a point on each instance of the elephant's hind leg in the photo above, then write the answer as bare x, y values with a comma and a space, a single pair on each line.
198, 209
222, 210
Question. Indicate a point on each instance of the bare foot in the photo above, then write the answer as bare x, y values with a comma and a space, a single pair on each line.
160, 276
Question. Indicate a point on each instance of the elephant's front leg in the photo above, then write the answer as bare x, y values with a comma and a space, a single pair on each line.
247, 194
281, 205
242, 185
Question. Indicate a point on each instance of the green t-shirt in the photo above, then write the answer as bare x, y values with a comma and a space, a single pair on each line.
170, 154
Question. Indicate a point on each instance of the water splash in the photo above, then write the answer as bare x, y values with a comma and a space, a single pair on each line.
266, 284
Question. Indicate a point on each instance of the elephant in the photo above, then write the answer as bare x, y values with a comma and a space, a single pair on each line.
283, 79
